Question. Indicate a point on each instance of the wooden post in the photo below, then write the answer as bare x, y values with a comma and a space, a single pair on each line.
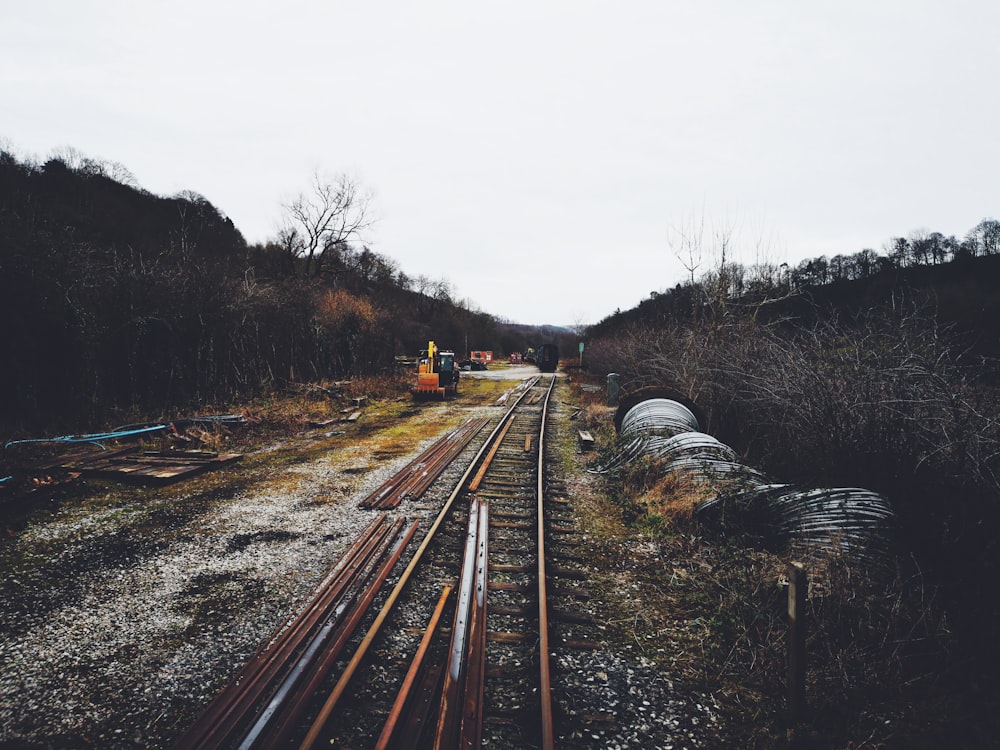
797, 587
614, 388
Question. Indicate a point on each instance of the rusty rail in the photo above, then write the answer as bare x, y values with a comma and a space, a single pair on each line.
245, 707
460, 717
544, 672
312, 738
264, 705
413, 479
274, 727
460, 709
415, 678
472, 716
460, 721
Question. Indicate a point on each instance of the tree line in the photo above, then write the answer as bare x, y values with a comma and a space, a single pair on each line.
920, 248
957, 277
118, 303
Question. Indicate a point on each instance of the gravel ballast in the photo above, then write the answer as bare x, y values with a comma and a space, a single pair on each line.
123, 614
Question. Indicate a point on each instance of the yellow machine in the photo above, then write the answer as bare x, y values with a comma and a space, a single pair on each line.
437, 375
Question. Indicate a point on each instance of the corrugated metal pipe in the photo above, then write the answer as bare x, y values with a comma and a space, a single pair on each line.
658, 416
849, 520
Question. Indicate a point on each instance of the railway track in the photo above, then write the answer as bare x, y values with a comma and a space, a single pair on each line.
435, 629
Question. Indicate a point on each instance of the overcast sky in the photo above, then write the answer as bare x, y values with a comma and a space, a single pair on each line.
534, 154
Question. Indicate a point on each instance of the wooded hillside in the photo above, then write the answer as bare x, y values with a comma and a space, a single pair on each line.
118, 303
884, 380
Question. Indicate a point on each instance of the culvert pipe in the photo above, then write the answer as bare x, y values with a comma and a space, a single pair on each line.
658, 416
848, 520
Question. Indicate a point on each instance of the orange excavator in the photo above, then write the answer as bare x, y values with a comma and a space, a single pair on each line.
437, 375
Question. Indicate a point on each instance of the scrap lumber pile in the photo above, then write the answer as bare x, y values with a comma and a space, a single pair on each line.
148, 466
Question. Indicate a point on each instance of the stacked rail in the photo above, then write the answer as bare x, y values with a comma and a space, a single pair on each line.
458, 681
414, 478
260, 705
283, 696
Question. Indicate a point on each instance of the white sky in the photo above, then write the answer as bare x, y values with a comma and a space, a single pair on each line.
535, 154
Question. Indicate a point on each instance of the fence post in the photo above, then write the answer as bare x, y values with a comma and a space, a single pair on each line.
614, 388
797, 587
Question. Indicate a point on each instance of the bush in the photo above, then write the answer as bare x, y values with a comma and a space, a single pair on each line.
885, 401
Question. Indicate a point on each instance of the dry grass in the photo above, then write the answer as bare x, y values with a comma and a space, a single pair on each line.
875, 652
674, 498
596, 415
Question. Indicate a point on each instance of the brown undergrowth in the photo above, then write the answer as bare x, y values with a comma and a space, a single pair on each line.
879, 670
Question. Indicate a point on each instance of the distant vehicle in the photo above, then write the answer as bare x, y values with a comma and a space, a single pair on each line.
472, 364
437, 373
547, 357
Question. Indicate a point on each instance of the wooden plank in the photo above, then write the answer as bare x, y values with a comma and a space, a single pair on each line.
79, 460
156, 467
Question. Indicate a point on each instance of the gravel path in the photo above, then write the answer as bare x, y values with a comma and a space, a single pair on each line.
122, 616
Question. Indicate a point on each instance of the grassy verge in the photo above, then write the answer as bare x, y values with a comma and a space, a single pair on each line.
880, 672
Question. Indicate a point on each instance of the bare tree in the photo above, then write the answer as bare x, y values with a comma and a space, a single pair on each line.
76, 160
685, 242
865, 263
72, 157
120, 174
334, 212
984, 238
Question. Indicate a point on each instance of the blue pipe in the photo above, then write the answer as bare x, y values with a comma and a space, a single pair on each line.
94, 438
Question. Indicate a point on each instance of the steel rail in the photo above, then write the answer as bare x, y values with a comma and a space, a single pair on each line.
478, 479
461, 709
311, 739
318, 665
451, 708
460, 718
460, 726
544, 672
235, 702
316, 642
414, 478
403, 698
422, 480
471, 735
